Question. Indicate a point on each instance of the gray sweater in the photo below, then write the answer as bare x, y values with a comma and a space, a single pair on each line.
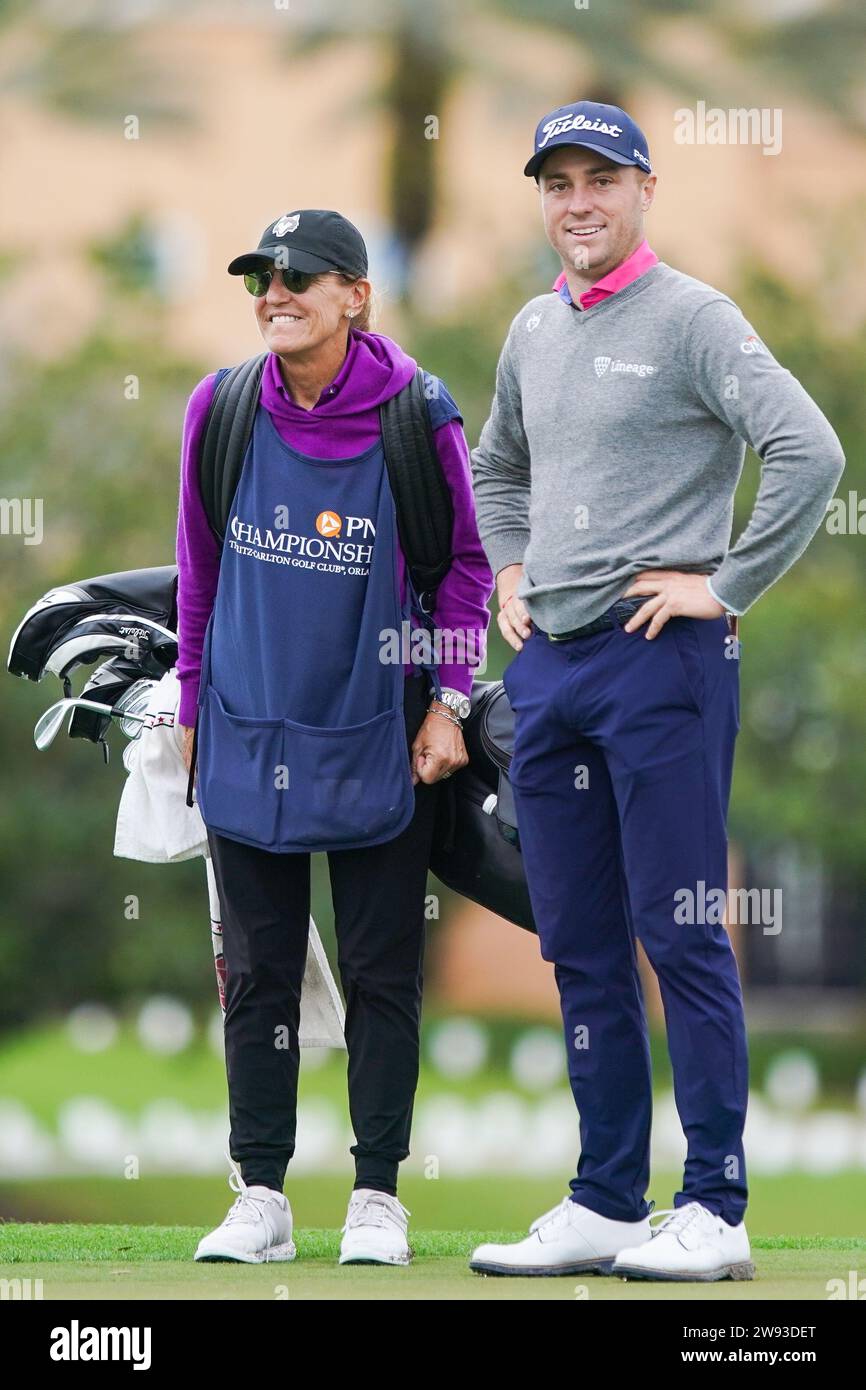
616, 441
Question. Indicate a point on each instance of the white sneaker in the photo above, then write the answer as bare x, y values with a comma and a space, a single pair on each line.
375, 1230
258, 1227
691, 1244
568, 1239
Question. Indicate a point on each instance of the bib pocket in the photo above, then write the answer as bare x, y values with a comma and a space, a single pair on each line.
239, 768
347, 787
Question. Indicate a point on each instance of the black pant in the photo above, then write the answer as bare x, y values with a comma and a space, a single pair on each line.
379, 898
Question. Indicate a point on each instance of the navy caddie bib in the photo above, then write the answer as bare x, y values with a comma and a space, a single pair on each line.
301, 735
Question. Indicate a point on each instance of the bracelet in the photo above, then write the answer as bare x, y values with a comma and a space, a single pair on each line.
450, 716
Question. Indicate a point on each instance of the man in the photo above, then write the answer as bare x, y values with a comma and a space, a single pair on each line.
604, 482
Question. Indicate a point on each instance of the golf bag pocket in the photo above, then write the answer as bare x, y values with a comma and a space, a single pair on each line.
240, 771
345, 787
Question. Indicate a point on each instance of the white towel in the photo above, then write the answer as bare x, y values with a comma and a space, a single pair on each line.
155, 824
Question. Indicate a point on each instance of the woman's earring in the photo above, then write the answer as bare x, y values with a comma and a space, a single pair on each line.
350, 313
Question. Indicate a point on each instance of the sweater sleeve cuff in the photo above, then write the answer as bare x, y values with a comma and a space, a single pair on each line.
738, 612
457, 678
505, 548
187, 709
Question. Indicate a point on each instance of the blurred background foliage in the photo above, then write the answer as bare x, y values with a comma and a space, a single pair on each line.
106, 459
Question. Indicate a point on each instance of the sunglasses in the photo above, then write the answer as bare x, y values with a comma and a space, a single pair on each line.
298, 281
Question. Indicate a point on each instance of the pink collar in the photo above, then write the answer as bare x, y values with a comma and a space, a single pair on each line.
635, 265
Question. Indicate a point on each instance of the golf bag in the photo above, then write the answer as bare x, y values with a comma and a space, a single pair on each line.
476, 846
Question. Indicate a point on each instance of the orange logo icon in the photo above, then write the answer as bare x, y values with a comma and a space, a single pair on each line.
329, 524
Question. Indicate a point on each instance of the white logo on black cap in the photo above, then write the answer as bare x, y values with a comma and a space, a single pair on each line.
289, 223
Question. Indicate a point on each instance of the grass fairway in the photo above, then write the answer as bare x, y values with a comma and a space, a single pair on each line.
155, 1262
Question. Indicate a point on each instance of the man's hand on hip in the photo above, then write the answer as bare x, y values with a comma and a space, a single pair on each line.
670, 594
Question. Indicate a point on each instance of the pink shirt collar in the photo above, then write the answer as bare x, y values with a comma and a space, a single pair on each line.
636, 264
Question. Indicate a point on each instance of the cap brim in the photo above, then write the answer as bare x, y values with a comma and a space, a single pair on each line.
290, 258
535, 163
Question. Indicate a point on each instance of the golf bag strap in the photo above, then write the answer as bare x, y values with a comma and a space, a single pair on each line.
422, 497
447, 815
192, 764
225, 438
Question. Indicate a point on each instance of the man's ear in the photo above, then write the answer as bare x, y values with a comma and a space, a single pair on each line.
648, 192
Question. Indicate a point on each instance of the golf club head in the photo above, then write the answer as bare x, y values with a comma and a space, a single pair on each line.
110, 683
48, 724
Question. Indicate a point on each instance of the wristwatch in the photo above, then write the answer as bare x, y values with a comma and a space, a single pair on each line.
459, 704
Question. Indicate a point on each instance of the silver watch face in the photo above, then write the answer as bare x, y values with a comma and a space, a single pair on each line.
459, 703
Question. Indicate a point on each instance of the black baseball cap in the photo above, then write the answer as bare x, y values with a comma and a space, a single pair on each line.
312, 239
606, 129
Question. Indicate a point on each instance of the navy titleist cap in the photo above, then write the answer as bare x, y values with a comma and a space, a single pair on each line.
313, 239
606, 129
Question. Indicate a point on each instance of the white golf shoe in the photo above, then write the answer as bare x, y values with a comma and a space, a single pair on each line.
375, 1230
257, 1229
568, 1239
690, 1244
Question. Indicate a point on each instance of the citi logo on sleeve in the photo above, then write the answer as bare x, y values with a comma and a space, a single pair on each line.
603, 365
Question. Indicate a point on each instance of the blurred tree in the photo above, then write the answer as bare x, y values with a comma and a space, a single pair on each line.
816, 47
429, 45
91, 71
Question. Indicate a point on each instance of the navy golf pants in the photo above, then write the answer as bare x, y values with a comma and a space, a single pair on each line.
621, 774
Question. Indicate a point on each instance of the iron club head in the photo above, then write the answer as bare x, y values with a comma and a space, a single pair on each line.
48, 724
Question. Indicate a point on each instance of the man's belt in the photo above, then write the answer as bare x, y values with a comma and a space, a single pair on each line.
615, 616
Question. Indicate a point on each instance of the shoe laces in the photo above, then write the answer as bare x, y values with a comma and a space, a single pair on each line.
556, 1216
679, 1219
376, 1209
246, 1207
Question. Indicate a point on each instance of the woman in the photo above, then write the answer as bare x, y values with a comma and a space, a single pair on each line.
307, 737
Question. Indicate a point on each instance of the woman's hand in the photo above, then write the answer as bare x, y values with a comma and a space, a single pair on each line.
438, 750
186, 746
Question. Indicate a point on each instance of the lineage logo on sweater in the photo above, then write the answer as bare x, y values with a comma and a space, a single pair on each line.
603, 365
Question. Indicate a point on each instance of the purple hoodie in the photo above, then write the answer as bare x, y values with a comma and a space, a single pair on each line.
343, 422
